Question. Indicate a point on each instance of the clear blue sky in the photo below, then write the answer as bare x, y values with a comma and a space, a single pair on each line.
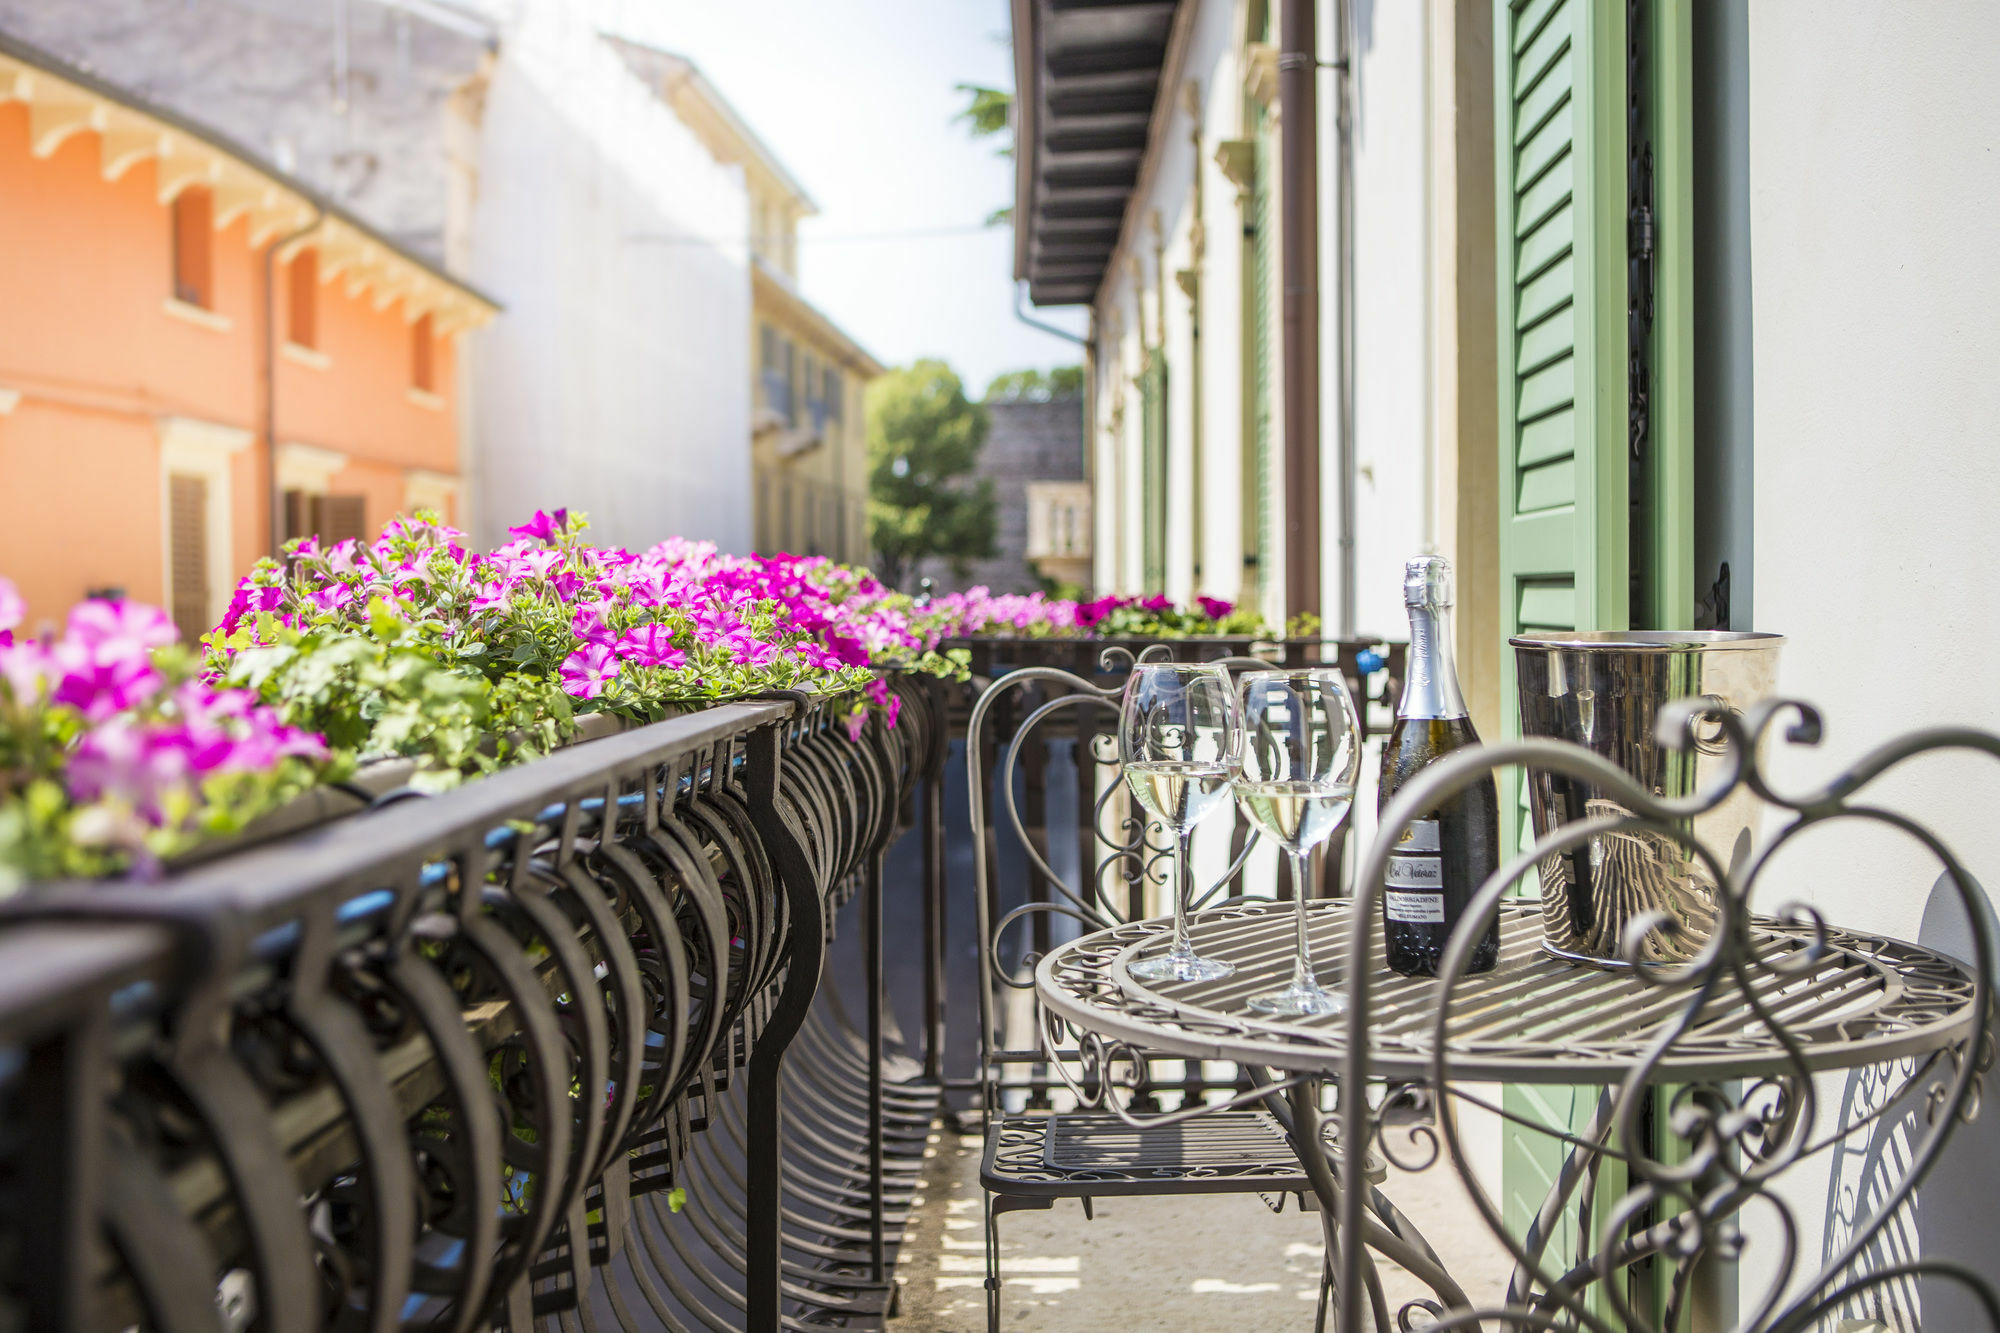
856, 97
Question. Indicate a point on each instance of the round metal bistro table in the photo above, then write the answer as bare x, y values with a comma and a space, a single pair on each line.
1711, 1070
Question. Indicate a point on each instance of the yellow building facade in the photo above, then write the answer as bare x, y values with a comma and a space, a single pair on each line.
809, 380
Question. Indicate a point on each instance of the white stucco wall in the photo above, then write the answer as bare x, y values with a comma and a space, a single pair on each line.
1875, 179
1392, 438
618, 380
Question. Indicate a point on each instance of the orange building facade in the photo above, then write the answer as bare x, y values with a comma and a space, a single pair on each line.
159, 407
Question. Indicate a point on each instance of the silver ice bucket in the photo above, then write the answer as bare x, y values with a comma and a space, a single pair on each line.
1604, 691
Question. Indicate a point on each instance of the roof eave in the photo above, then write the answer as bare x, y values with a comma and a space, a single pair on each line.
308, 197
856, 356
1027, 91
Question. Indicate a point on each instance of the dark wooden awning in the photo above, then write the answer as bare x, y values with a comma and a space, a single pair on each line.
1087, 81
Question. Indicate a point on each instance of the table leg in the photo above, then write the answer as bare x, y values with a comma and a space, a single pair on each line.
1385, 1230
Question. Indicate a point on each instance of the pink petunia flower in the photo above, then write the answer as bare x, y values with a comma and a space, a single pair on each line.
653, 646
98, 682
120, 627
588, 670
542, 527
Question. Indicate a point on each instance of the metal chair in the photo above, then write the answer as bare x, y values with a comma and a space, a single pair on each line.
1219, 1140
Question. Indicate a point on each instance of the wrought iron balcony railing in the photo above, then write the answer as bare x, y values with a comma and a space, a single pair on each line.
512, 1054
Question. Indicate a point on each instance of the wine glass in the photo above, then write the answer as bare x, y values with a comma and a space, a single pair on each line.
1295, 781
1177, 739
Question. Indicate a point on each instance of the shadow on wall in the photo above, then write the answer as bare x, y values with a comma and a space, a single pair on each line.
1951, 1215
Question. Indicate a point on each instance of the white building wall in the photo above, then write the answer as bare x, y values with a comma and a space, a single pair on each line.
1221, 80
619, 380
1393, 438
1874, 184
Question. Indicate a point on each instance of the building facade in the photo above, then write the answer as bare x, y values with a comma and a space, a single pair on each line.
808, 432
1659, 316
1033, 455
509, 141
206, 358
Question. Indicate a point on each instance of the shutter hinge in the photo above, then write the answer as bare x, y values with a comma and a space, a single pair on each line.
1642, 231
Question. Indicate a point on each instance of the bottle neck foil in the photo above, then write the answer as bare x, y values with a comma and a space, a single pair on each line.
1430, 683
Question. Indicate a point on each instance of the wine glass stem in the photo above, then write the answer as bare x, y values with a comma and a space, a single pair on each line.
1302, 966
1181, 839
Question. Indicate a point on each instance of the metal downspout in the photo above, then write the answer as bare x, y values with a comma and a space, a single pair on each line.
1298, 168
1344, 302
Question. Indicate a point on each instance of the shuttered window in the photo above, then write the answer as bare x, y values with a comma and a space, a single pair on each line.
1560, 194
1260, 314
1153, 469
187, 556
302, 305
330, 518
1564, 112
423, 353
194, 247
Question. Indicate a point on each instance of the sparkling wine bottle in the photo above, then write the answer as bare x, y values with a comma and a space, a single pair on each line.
1437, 863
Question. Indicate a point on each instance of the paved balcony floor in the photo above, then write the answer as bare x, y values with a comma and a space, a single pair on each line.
1222, 1261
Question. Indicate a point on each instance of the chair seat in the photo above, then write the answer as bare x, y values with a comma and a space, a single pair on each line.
1095, 1153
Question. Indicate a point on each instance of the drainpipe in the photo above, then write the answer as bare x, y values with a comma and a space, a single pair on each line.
1344, 301
1021, 313
1298, 70
274, 497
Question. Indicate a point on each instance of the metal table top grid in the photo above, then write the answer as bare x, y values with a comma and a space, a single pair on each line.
1534, 1018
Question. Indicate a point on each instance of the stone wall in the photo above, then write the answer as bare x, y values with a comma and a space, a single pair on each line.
1027, 441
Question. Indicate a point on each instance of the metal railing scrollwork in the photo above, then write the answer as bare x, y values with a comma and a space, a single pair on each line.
1702, 1074
552, 1049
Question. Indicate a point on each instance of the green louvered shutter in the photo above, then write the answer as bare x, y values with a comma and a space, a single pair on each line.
1566, 549
1263, 352
1561, 233
1562, 239
1153, 468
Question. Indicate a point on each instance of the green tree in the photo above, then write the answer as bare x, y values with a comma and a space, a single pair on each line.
986, 112
924, 438
1035, 386
990, 111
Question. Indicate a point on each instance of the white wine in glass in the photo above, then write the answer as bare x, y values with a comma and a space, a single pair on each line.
1295, 782
1177, 738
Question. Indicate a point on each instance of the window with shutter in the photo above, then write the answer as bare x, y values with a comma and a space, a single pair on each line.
330, 518
1580, 472
1260, 313
187, 555
194, 247
1153, 469
342, 517
423, 349
302, 308
299, 518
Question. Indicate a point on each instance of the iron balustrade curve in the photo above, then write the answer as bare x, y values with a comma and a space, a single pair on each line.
1772, 999
512, 1055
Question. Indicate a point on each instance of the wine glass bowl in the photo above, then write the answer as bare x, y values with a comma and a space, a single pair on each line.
1295, 783
1178, 737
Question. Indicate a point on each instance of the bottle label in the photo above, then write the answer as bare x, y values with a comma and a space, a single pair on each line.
1400, 906
1415, 882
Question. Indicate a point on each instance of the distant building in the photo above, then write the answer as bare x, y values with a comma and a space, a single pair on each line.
509, 141
808, 433
1034, 457
202, 356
